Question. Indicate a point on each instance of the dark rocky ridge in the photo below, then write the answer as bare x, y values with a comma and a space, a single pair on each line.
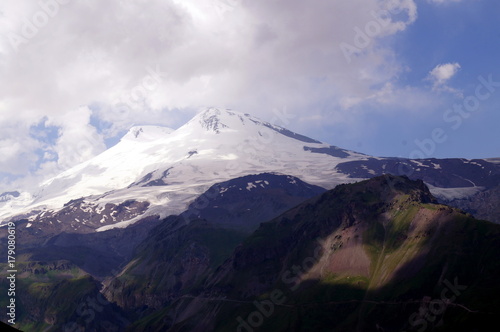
243, 203
406, 249
443, 173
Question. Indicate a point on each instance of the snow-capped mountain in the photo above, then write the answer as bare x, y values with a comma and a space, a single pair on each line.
169, 168
156, 171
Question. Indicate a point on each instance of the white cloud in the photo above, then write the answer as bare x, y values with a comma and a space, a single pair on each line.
441, 74
78, 140
248, 55
17, 148
17, 155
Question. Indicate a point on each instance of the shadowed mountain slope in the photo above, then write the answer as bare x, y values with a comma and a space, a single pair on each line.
379, 255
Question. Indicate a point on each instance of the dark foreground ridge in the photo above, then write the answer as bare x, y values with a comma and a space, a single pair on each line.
378, 255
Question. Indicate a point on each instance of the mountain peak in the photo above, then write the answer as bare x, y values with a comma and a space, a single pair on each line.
211, 120
217, 121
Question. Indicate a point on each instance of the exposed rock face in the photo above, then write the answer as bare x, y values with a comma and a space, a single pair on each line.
79, 216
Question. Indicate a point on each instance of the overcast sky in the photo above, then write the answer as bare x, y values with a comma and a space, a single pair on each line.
405, 78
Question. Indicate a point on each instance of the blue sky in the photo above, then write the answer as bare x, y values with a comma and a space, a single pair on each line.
466, 32
75, 75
